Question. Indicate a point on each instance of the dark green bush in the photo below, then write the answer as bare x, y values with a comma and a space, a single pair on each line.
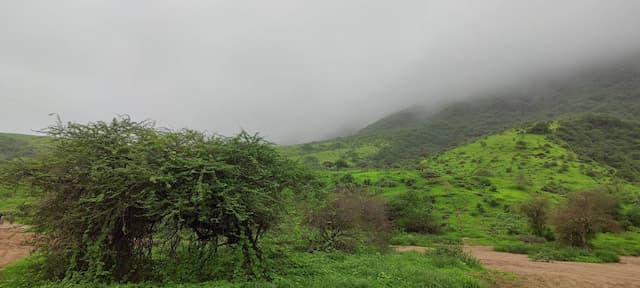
413, 212
118, 196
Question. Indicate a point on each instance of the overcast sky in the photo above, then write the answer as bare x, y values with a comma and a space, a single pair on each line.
293, 70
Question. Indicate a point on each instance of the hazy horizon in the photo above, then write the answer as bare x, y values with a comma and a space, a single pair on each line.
294, 71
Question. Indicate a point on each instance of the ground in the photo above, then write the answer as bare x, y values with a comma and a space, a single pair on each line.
13, 243
557, 274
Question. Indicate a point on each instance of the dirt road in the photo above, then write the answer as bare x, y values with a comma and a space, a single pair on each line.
13, 243
558, 274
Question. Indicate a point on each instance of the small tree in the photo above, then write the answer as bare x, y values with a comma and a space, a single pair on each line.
341, 163
537, 211
584, 214
353, 215
110, 189
413, 212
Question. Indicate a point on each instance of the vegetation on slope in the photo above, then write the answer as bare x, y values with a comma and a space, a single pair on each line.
410, 134
16, 199
124, 204
607, 139
17, 145
475, 191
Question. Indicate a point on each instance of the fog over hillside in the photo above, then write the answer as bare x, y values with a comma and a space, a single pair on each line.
293, 70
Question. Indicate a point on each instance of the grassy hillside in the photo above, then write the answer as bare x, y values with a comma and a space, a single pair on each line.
409, 134
19, 145
607, 139
476, 187
15, 199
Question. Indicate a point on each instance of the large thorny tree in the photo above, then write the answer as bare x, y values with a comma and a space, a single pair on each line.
118, 196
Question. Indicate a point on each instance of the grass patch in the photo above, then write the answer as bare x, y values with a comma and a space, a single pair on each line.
557, 252
445, 267
427, 240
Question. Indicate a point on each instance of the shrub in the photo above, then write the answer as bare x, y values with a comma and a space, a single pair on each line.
352, 216
584, 214
413, 212
522, 181
631, 216
341, 163
452, 255
536, 210
539, 128
114, 193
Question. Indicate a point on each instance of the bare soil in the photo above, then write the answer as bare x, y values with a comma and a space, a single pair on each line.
559, 274
13, 243
409, 248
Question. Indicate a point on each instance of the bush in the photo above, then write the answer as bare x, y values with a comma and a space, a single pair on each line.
351, 217
452, 255
584, 214
536, 210
522, 181
632, 216
413, 212
341, 163
554, 252
118, 196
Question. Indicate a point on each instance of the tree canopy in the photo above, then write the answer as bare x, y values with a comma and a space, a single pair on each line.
119, 196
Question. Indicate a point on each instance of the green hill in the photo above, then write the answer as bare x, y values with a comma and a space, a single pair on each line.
475, 187
16, 199
410, 134
20, 145
607, 139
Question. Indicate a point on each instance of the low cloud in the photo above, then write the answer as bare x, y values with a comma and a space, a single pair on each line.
293, 70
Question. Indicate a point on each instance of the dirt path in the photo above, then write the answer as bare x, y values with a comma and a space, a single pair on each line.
13, 244
532, 274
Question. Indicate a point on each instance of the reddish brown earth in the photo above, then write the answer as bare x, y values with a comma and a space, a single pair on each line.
13, 243
532, 274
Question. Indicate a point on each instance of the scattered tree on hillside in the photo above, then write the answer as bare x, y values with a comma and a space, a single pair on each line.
536, 210
341, 163
540, 128
522, 181
584, 214
352, 215
413, 212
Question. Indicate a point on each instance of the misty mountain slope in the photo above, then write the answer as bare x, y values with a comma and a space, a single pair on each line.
409, 134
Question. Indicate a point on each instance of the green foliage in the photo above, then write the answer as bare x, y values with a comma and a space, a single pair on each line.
627, 243
341, 164
555, 252
607, 139
16, 146
412, 211
452, 255
537, 212
448, 269
413, 133
424, 240
540, 128
118, 198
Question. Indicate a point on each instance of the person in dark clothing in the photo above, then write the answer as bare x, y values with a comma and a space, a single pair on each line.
1, 218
